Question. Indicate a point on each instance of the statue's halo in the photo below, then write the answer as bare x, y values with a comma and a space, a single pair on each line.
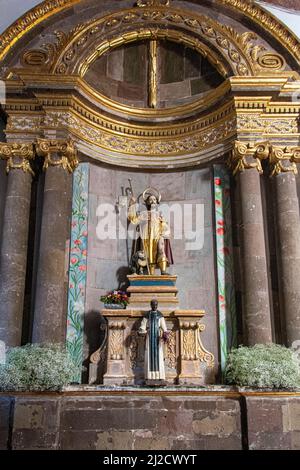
151, 192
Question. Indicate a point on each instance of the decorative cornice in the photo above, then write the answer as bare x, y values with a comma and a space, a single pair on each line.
31, 19
65, 107
246, 156
49, 8
152, 3
284, 159
58, 153
269, 125
268, 22
17, 156
176, 145
231, 52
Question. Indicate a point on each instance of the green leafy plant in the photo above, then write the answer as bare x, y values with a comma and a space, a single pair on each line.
36, 367
270, 365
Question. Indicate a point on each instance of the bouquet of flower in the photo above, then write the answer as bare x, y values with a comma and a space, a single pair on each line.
115, 297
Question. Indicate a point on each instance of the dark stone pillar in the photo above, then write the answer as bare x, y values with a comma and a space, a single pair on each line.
13, 257
257, 327
288, 242
51, 288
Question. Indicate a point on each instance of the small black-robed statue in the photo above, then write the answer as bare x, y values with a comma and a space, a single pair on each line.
154, 327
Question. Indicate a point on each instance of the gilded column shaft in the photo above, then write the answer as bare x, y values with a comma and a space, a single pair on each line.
283, 165
50, 308
13, 255
246, 163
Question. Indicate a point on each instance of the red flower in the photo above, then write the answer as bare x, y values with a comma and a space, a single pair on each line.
217, 202
84, 234
221, 297
71, 286
73, 260
77, 242
82, 267
220, 231
218, 181
221, 222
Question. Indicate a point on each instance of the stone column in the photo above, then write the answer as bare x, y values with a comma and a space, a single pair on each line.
284, 169
51, 289
13, 255
246, 163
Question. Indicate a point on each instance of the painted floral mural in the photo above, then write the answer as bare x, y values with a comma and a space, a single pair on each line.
225, 268
78, 266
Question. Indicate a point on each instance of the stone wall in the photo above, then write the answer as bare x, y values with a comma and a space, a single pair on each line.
108, 259
162, 421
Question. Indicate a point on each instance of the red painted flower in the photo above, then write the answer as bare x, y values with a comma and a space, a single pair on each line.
82, 267
71, 286
220, 231
217, 202
77, 242
73, 260
221, 222
85, 234
218, 181
221, 298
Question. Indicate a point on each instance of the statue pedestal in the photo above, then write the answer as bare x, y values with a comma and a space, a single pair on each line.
184, 353
143, 289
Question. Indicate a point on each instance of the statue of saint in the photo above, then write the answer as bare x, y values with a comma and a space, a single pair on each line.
154, 232
154, 327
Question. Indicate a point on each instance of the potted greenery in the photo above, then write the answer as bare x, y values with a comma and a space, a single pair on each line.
263, 366
115, 299
37, 367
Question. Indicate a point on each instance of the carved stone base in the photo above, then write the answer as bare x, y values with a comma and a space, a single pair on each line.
123, 357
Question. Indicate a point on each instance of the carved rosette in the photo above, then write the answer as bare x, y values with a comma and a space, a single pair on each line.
116, 340
284, 159
17, 156
248, 155
58, 153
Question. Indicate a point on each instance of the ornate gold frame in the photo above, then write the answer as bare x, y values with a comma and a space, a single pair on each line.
49, 8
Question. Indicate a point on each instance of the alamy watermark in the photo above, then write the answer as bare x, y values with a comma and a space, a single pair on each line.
184, 222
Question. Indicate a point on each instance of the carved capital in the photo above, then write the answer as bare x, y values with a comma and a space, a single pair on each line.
58, 153
247, 155
284, 159
17, 156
